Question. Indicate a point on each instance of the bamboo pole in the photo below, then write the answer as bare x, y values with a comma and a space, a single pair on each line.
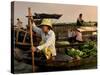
24, 37
31, 38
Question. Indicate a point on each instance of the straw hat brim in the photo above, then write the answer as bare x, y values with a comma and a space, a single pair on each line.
45, 25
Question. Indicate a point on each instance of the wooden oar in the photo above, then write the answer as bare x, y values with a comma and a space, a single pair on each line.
31, 38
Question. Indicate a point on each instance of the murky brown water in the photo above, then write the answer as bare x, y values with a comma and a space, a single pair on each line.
87, 63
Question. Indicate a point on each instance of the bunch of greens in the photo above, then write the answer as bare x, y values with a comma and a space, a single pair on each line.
89, 49
74, 53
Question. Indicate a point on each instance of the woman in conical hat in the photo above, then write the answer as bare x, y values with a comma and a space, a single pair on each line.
48, 38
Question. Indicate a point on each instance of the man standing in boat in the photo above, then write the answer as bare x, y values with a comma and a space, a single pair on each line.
47, 44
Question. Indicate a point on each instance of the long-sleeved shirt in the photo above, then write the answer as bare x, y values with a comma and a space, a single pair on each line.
79, 36
47, 39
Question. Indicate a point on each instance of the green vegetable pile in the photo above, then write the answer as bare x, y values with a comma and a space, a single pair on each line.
88, 49
75, 53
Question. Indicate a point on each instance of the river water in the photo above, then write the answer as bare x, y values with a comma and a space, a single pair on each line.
88, 63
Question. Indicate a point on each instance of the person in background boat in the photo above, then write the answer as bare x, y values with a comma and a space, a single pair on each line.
19, 23
47, 45
80, 21
71, 35
78, 36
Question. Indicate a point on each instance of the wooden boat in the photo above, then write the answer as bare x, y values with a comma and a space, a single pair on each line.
45, 15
